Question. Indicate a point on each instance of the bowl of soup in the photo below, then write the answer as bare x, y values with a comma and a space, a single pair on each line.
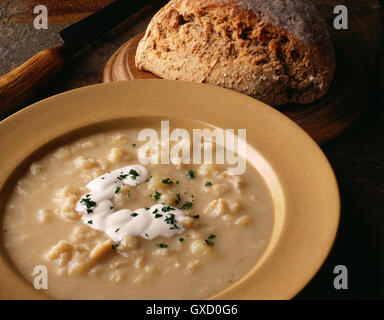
155, 189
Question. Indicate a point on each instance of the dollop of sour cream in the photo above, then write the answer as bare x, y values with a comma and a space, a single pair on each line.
99, 213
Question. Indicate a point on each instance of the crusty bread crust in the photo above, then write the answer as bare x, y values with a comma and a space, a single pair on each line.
278, 51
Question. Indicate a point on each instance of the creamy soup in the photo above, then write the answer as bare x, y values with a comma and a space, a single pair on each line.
108, 227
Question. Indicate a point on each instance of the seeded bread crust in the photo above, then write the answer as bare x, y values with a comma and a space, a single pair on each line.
278, 51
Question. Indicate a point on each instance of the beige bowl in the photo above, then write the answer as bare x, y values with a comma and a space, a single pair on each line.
301, 181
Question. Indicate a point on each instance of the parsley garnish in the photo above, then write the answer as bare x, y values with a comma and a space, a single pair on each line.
171, 220
187, 205
181, 239
114, 246
157, 196
178, 198
134, 214
158, 215
162, 245
190, 174
208, 184
167, 208
133, 144
122, 176
196, 217
117, 190
90, 222
209, 241
117, 230
133, 174
88, 203
167, 181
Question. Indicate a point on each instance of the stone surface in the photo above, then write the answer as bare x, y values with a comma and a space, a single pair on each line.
59, 11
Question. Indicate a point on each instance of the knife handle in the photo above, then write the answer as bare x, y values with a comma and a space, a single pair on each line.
22, 83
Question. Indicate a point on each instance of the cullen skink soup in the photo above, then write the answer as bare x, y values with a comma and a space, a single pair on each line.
107, 226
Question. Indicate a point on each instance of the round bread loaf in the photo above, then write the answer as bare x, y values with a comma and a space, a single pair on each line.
278, 51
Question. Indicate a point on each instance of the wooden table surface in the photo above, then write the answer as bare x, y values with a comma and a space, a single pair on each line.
357, 156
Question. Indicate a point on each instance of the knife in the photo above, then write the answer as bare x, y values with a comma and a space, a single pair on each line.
21, 84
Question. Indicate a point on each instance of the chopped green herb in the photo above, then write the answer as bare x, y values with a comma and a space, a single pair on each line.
158, 215
155, 211
117, 190
208, 184
102, 178
178, 198
90, 222
171, 220
133, 144
117, 230
122, 176
116, 245
167, 208
209, 241
187, 205
148, 179
167, 181
162, 245
133, 174
181, 239
134, 214
147, 208
111, 208
177, 182
146, 234
129, 194
190, 174
196, 217
88, 203
157, 196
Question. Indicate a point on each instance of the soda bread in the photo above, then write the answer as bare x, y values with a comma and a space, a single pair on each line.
278, 51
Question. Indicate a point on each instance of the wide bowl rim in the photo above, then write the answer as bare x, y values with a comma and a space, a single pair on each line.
273, 133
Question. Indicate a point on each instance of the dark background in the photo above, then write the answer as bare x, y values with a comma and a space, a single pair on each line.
357, 156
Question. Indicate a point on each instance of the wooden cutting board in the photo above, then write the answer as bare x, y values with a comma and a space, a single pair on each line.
323, 120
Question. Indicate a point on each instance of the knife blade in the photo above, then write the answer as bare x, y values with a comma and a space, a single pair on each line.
86, 31
19, 85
